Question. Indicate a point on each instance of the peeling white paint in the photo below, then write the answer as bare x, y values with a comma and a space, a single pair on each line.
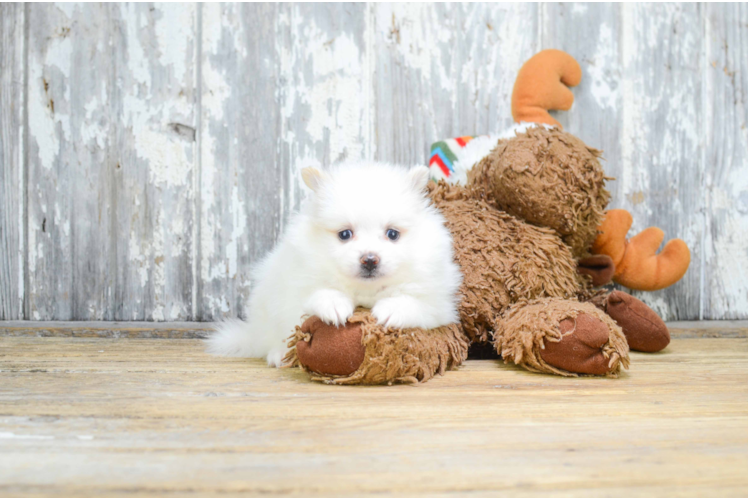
729, 254
405, 26
603, 86
333, 92
42, 128
137, 60
579, 8
69, 9
90, 129
167, 160
215, 95
635, 128
216, 90
176, 26
451, 66
22, 188
238, 227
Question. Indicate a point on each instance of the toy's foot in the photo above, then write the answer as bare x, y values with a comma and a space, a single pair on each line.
644, 329
563, 337
365, 352
580, 349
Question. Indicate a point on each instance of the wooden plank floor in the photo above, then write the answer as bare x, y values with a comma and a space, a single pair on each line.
152, 417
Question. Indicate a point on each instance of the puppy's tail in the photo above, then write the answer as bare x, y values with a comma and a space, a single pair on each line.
234, 338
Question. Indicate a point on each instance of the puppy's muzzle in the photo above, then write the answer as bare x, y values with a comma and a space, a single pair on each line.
369, 263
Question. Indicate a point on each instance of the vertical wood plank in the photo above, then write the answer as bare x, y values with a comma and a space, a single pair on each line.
152, 159
12, 250
283, 87
726, 167
68, 224
326, 84
241, 178
444, 70
111, 139
591, 33
660, 179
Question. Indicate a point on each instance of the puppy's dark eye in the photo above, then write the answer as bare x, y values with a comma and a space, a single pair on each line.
345, 234
393, 234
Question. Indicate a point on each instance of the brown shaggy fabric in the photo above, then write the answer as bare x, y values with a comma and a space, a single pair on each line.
408, 355
503, 259
524, 330
548, 178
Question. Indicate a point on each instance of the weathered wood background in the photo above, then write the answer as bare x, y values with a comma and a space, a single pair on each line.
150, 152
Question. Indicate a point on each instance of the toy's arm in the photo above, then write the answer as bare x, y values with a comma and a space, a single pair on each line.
542, 84
637, 263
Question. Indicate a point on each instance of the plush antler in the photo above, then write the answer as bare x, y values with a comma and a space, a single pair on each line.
542, 84
638, 265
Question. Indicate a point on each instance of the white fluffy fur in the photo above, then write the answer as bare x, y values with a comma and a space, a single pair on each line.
311, 271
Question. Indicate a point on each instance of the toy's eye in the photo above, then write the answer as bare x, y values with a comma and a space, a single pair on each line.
345, 234
393, 234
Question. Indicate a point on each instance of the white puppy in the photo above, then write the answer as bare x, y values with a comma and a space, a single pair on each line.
368, 236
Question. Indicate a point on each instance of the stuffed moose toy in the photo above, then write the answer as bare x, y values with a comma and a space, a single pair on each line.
526, 210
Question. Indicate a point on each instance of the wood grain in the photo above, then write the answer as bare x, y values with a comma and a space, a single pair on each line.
591, 33
662, 170
97, 417
114, 329
153, 160
726, 162
151, 156
111, 121
240, 176
68, 226
12, 188
200, 330
445, 70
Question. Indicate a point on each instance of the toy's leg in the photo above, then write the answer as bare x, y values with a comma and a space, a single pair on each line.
561, 336
644, 329
364, 352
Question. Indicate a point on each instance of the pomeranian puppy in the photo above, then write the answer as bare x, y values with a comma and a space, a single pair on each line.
368, 236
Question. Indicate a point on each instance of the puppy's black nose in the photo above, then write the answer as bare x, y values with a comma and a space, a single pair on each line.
369, 261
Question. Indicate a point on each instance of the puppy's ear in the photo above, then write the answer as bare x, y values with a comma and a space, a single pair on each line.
312, 178
419, 177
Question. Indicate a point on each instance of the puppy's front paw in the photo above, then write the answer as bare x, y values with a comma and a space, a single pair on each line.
331, 306
399, 312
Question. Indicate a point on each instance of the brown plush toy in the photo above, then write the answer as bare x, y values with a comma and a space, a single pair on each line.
523, 226
540, 86
364, 352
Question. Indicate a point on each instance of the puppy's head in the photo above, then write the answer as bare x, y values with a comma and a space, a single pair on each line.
367, 217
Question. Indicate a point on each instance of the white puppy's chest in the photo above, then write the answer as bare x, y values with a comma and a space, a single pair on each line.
369, 298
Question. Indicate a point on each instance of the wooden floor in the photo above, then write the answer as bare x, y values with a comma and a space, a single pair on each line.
153, 417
